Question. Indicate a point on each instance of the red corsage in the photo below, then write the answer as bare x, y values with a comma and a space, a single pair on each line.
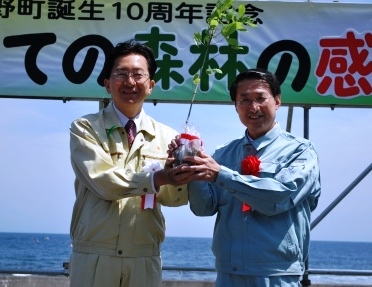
250, 166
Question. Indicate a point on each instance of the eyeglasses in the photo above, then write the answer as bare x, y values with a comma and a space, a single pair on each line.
124, 76
260, 102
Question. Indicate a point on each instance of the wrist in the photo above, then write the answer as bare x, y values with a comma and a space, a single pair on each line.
160, 178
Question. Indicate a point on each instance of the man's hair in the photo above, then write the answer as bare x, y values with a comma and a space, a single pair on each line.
256, 74
130, 47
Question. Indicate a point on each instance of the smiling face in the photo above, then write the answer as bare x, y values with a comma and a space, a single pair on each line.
259, 110
127, 94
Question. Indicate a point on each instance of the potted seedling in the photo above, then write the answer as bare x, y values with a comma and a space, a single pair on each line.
222, 24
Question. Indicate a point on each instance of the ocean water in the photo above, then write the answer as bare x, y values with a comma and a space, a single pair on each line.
46, 252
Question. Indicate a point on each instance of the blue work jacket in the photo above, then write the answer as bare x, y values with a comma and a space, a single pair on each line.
273, 238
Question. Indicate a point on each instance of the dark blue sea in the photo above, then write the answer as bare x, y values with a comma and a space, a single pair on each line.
46, 252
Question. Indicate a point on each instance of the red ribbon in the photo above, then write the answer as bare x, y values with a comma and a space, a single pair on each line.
246, 207
250, 166
189, 137
143, 202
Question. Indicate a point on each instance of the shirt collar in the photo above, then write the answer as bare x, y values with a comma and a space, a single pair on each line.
124, 119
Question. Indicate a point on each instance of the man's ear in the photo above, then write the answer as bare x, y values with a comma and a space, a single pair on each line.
278, 101
106, 83
152, 85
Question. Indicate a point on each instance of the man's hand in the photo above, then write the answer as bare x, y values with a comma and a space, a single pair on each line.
172, 175
204, 167
174, 144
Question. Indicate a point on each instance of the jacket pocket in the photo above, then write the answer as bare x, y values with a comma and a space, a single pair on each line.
278, 243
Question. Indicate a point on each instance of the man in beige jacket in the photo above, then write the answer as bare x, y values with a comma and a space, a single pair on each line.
117, 225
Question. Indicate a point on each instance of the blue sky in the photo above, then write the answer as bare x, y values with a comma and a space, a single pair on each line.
37, 192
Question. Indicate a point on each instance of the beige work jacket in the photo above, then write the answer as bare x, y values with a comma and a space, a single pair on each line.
107, 216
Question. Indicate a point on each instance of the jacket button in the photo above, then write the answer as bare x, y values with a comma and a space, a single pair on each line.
180, 189
145, 190
120, 252
235, 269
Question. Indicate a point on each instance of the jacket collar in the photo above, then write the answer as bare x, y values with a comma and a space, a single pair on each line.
111, 119
266, 139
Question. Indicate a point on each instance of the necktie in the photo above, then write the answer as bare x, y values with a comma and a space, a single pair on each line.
129, 128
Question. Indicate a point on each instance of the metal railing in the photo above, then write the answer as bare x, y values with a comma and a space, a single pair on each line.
305, 278
344, 272
341, 196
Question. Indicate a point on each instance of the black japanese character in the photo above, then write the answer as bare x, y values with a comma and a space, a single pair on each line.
90, 60
304, 63
36, 43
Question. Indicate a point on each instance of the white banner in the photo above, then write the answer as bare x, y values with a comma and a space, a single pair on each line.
321, 52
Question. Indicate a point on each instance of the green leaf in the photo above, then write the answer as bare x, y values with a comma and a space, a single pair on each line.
232, 41
241, 10
215, 12
228, 29
111, 130
207, 40
224, 5
248, 21
218, 71
196, 79
213, 23
197, 38
236, 47
230, 15
240, 26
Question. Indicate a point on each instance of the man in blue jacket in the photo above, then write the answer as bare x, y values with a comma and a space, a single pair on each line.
262, 187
